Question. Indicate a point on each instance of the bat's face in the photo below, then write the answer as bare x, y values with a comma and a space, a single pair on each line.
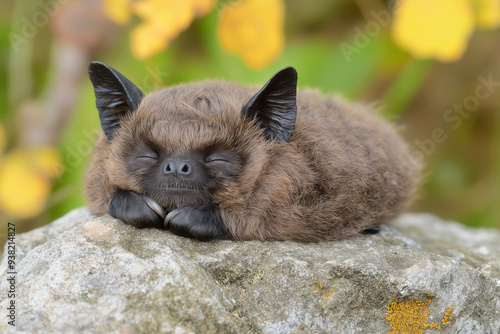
183, 145
177, 157
181, 178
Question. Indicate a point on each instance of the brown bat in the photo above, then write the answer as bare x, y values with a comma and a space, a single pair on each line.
215, 160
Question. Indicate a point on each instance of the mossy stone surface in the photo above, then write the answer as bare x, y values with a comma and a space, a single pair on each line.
88, 274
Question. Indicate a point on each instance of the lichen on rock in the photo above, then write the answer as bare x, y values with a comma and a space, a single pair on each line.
413, 317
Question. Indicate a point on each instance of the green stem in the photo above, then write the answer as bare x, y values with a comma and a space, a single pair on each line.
405, 86
496, 173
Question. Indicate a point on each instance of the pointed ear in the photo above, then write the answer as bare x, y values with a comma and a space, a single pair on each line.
115, 96
274, 106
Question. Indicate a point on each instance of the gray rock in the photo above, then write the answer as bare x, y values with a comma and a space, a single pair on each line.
87, 274
29, 240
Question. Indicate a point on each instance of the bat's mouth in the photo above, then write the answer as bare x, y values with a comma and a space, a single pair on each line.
175, 196
181, 186
181, 191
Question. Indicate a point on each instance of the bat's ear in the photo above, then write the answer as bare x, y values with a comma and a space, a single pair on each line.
115, 96
274, 106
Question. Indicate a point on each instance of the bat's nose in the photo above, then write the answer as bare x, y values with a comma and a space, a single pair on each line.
178, 166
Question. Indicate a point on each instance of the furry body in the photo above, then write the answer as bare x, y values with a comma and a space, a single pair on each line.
343, 170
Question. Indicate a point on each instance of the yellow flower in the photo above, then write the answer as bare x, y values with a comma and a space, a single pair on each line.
202, 7
26, 177
118, 11
146, 41
433, 29
488, 13
163, 21
47, 161
253, 29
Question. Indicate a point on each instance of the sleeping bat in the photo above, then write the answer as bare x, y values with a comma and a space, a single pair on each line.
217, 160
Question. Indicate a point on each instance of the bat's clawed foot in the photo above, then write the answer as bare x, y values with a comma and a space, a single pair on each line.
136, 210
202, 222
371, 230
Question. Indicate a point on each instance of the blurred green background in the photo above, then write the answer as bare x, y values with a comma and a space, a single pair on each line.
49, 63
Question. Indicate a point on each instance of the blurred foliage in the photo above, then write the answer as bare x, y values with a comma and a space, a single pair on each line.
163, 20
3, 139
26, 178
417, 67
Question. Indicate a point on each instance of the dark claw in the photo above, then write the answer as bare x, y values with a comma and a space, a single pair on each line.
136, 210
371, 230
202, 222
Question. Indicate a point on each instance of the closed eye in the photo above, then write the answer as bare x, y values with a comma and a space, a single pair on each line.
222, 165
147, 156
218, 159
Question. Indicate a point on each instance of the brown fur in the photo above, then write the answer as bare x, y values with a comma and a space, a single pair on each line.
342, 171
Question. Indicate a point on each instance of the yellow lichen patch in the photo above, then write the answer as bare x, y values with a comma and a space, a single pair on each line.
412, 317
447, 317
322, 291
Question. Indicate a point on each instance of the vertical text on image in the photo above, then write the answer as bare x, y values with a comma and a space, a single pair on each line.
11, 273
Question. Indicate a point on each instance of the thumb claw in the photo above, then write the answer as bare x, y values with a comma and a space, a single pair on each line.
155, 207
169, 217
